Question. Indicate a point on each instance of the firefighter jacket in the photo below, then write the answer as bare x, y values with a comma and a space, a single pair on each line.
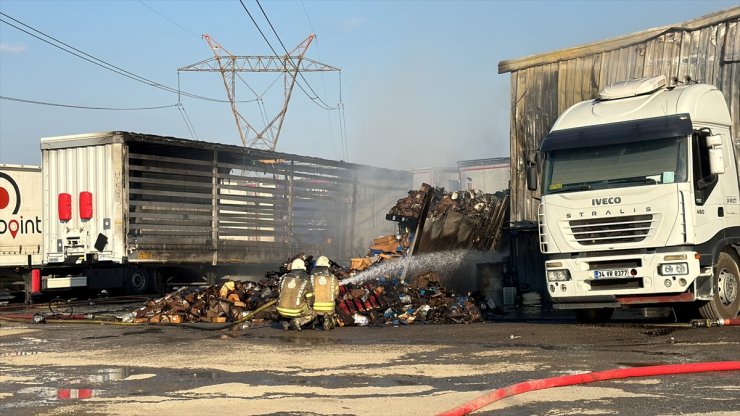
326, 290
295, 294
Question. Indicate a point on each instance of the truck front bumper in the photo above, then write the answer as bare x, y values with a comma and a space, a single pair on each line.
606, 278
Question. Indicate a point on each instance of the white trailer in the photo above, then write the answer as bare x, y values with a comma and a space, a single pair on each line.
20, 217
641, 202
130, 210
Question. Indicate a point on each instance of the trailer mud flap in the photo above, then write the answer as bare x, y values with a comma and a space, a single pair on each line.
703, 288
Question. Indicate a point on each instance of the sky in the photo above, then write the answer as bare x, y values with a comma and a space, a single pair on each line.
419, 82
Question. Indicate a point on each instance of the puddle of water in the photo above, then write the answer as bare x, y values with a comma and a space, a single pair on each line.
76, 394
102, 337
109, 374
45, 396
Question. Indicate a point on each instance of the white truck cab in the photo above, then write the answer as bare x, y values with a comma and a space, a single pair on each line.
641, 201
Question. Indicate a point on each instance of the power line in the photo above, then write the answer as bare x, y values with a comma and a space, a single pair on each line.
340, 111
82, 107
309, 19
343, 121
274, 52
187, 121
99, 62
168, 19
316, 96
323, 105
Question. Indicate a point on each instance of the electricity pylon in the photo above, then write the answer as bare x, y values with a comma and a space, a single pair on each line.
229, 65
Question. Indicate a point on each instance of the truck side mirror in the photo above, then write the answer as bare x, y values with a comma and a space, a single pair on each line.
532, 177
713, 140
716, 159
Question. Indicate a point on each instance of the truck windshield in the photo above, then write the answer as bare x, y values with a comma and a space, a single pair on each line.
638, 163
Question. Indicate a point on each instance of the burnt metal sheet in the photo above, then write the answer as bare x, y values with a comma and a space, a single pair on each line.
263, 204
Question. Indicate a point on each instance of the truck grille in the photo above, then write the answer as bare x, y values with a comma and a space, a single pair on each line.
614, 230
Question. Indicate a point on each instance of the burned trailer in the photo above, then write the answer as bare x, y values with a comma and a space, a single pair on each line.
128, 209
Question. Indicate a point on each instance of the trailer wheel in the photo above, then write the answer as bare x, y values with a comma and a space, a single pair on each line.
726, 301
594, 315
137, 281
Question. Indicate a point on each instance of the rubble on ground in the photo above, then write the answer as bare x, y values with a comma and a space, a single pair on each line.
388, 301
228, 302
411, 206
477, 219
385, 301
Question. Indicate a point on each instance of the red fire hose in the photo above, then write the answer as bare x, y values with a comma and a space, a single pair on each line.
545, 383
715, 322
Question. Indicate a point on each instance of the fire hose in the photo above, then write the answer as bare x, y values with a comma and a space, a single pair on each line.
570, 380
715, 322
81, 319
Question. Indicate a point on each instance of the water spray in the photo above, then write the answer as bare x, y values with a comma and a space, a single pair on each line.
444, 263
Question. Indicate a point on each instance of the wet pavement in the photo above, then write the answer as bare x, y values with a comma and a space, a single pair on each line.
80, 369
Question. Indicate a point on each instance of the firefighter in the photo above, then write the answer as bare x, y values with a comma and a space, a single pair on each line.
296, 297
326, 290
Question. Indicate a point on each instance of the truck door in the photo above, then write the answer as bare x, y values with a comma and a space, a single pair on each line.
708, 191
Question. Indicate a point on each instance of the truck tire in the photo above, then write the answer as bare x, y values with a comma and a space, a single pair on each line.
137, 281
594, 315
726, 301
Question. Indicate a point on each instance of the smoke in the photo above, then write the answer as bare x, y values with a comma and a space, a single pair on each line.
413, 118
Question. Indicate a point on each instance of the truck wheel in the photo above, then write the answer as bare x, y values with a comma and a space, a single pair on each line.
594, 315
726, 301
137, 282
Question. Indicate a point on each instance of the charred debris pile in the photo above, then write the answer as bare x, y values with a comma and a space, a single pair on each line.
444, 221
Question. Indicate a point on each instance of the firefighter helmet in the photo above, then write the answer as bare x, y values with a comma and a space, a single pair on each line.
298, 264
322, 262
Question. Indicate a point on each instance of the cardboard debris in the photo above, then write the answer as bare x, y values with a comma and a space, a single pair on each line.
224, 303
392, 302
474, 218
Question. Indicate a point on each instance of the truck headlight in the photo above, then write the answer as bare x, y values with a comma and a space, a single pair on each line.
673, 269
558, 275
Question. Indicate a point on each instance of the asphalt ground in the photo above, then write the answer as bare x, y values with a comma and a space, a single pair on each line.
83, 369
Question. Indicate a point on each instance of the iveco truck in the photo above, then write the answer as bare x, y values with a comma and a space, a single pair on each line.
641, 201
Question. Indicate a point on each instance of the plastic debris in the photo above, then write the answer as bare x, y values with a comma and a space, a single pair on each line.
360, 320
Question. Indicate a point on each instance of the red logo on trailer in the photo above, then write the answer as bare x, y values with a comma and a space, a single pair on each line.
5, 196
10, 202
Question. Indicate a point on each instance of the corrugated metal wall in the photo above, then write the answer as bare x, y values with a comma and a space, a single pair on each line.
82, 169
198, 202
708, 52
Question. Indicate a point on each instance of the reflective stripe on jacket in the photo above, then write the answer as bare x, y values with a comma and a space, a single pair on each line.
326, 290
295, 290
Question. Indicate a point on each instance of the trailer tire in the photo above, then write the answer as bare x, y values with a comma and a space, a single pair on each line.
726, 300
137, 281
594, 315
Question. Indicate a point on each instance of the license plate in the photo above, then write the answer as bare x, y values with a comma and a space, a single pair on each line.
600, 274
